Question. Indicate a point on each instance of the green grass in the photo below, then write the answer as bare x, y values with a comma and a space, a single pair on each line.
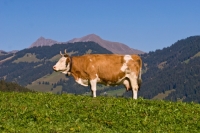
28, 57
45, 88
57, 90
51, 78
55, 58
50, 113
40, 87
118, 92
162, 65
196, 55
161, 96
7, 59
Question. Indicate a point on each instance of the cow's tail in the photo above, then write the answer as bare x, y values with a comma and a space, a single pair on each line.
140, 78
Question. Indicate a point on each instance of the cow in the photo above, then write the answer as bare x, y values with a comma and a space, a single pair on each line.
107, 69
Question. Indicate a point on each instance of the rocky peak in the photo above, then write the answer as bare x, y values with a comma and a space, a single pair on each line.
115, 47
43, 42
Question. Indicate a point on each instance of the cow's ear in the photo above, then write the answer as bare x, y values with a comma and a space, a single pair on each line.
68, 60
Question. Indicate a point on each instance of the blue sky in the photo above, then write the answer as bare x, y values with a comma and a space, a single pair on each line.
146, 25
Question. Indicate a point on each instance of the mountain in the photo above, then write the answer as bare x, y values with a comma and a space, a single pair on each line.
13, 51
6, 55
115, 47
43, 42
2, 52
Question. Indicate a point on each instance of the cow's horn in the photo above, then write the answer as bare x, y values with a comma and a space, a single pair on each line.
65, 51
61, 53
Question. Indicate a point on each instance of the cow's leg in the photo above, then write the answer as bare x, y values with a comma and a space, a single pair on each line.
134, 84
93, 84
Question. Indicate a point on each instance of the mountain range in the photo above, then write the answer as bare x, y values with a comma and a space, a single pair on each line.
114, 47
4, 52
171, 73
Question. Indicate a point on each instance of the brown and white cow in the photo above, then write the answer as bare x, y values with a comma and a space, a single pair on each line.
107, 69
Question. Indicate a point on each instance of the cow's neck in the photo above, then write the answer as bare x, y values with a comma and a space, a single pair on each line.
70, 67
73, 67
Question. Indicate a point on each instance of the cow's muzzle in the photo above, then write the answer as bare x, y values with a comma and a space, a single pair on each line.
54, 68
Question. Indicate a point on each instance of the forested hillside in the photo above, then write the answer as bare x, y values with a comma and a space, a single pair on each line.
10, 87
173, 68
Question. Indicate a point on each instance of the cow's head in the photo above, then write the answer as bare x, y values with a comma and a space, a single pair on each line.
63, 65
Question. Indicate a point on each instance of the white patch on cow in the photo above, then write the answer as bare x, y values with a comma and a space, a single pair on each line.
65, 72
120, 80
83, 82
126, 83
98, 79
124, 66
127, 58
133, 75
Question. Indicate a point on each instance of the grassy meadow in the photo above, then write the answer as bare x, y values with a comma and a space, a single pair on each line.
50, 113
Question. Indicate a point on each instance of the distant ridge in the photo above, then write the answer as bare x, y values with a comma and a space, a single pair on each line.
115, 47
43, 42
4, 52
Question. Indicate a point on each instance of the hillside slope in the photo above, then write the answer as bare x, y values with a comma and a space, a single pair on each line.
176, 67
11, 87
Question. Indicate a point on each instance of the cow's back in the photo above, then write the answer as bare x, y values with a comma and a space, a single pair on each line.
106, 66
